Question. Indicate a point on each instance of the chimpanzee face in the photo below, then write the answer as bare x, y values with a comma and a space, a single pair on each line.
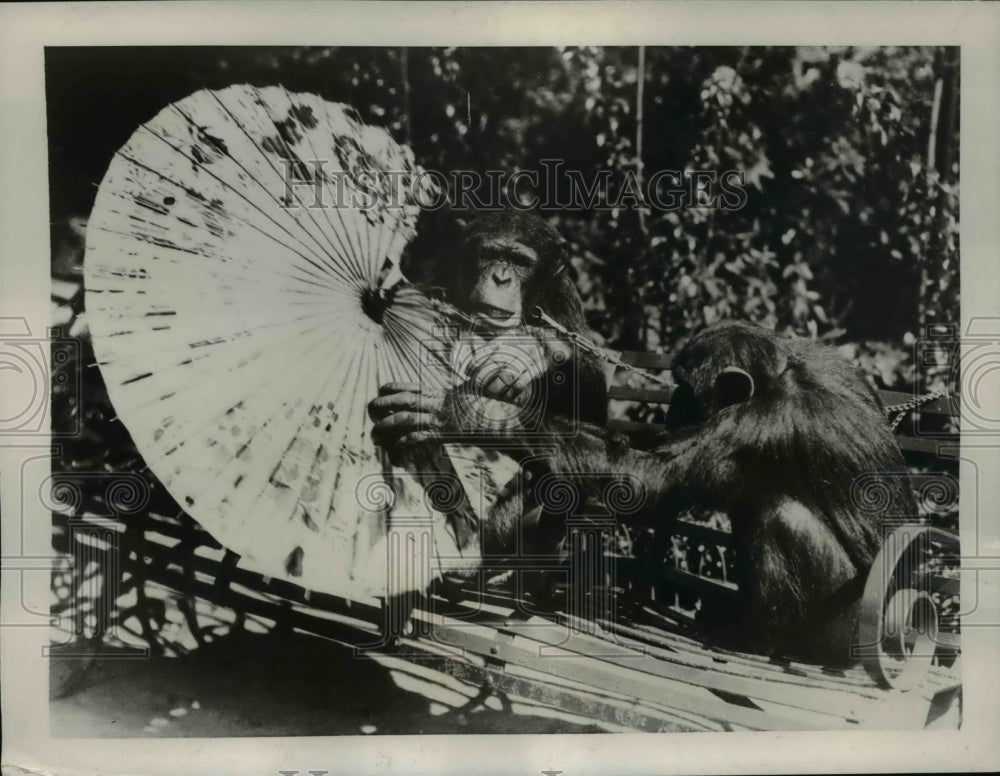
507, 264
500, 274
723, 366
689, 407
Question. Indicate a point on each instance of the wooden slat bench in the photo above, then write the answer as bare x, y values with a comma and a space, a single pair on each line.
631, 673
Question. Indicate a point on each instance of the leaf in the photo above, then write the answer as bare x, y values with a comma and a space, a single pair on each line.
293, 563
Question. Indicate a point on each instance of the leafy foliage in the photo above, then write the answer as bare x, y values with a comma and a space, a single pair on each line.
848, 158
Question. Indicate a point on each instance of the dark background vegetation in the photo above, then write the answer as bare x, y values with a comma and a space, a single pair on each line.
850, 157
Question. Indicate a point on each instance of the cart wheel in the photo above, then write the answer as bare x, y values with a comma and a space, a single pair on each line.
898, 629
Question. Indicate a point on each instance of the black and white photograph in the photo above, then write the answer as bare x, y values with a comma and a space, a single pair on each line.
474, 390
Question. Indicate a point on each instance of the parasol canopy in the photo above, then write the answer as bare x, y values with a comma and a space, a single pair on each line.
245, 303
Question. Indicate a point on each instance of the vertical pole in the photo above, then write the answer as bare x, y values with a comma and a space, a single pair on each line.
639, 99
404, 67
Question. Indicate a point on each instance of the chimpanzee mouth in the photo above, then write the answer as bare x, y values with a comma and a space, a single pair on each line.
496, 316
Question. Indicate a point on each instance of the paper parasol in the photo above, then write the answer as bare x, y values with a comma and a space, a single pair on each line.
235, 278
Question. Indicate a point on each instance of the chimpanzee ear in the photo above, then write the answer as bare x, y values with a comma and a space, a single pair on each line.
733, 386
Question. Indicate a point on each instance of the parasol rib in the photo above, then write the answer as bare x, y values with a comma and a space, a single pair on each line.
322, 265
240, 340
340, 252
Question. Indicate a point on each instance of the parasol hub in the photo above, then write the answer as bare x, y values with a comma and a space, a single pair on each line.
375, 301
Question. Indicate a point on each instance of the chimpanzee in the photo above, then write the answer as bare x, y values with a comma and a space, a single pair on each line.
776, 433
509, 264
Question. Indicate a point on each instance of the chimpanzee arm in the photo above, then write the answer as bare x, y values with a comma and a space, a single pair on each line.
813, 443
405, 415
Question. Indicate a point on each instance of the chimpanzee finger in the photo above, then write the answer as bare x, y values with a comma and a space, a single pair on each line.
419, 438
394, 439
486, 370
383, 406
513, 370
388, 388
509, 390
389, 404
521, 382
516, 397
485, 365
408, 419
498, 386
478, 379
520, 390
388, 433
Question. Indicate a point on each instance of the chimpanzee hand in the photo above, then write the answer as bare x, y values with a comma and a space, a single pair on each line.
505, 368
405, 414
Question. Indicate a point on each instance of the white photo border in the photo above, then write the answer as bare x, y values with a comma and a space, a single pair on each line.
26, 29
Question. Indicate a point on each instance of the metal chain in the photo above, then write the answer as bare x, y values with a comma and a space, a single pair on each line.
907, 406
614, 359
577, 339
605, 355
